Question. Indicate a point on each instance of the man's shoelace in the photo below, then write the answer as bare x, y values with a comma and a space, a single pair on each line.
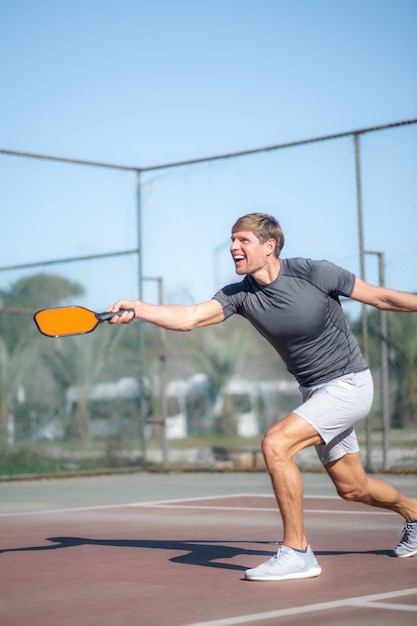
408, 530
275, 557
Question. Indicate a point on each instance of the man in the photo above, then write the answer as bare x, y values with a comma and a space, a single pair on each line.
294, 304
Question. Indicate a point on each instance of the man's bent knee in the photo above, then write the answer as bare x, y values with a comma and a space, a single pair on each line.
274, 448
352, 494
290, 435
349, 477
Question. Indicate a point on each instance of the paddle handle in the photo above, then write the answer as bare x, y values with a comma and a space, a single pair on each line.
107, 315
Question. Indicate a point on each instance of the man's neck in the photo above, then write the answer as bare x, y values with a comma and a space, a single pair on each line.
269, 273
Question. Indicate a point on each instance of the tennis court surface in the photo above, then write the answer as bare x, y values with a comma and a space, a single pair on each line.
171, 550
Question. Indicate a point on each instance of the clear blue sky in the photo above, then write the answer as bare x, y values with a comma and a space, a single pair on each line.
141, 83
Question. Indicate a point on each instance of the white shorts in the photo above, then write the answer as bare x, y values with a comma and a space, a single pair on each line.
333, 408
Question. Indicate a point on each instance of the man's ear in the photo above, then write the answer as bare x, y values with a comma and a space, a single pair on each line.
270, 246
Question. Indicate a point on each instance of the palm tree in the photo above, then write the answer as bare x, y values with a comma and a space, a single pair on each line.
18, 341
81, 362
30, 293
220, 351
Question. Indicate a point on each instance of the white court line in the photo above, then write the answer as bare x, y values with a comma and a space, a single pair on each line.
173, 504
69, 510
261, 510
371, 601
150, 503
388, 605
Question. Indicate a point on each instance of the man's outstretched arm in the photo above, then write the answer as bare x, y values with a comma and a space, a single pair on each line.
384, 298
170, 316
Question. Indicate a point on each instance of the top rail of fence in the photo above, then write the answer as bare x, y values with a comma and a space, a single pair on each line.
226, 155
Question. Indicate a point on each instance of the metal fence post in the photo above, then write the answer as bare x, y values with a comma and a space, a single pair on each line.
356, 136
383, 328
141, 360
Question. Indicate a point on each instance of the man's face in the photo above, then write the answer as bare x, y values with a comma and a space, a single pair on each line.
249, 254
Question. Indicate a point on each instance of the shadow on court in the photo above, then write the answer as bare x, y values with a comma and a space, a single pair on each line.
204, 554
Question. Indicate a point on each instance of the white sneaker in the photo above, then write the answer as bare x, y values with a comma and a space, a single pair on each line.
408, 544
286, 564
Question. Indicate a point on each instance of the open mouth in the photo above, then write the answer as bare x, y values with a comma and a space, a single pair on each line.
239, 260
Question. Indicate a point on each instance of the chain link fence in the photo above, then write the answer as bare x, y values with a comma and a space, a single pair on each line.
119, 399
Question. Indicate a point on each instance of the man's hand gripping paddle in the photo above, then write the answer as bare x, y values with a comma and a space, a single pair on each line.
71, 320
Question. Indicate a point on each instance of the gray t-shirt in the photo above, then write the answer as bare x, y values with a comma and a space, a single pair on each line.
301, 316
